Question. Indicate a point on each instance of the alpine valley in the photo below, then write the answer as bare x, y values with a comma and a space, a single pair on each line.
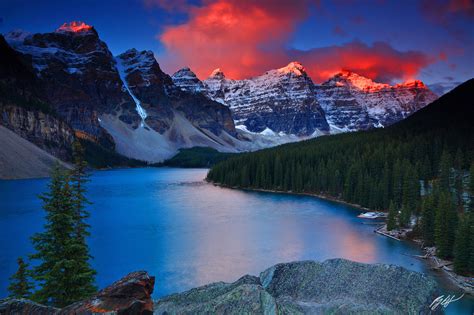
58, 86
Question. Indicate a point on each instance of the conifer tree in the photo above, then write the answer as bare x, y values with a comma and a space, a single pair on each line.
404, 218
471, 245
462, 246
428, 220
471, 187
445, 225
84, 275
392, 217
445, 171
20, 286
54, 268
63, 273
78, 178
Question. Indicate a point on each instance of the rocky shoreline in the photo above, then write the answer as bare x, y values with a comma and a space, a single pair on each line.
441, 266
335, 286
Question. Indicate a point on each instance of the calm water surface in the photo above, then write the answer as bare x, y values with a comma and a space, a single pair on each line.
189, 233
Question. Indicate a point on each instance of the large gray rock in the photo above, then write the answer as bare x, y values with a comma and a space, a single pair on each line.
245, 296
25, 307
336, 286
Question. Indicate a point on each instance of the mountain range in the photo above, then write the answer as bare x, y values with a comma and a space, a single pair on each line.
65, 84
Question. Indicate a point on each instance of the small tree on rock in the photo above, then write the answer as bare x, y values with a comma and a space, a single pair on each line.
20, 286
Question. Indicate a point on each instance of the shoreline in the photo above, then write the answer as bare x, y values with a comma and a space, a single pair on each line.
431, 261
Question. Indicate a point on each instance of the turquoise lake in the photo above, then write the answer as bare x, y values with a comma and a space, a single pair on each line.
188, 233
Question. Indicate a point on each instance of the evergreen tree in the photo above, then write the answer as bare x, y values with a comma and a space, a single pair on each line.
462, 246
404, 218
445, 225
84, 275
411, 190
63, 273
445, 171
78, 178
428, 220
20, 286
471, 187
471, 245
51, 246
392, 217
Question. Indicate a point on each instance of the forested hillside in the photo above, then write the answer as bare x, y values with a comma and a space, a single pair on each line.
419, 168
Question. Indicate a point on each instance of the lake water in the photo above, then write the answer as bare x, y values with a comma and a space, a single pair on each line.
189, 233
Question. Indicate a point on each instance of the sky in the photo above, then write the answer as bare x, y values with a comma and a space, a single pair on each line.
388, 41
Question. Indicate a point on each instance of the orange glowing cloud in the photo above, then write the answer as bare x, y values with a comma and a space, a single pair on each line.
246, 38
243, 37
379, 61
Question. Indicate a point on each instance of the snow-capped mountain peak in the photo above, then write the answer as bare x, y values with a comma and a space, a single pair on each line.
354, 80
293, 67
217, 74
74, 27
412, 84
187, 80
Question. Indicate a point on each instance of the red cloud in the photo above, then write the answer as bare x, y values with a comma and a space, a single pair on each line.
379, 61
243, 37
246, 38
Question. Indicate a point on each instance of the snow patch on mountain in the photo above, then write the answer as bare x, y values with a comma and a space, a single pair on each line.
122, 70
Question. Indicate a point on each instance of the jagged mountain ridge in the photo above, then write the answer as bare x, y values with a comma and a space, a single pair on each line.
286, 100
124, 103
128, 104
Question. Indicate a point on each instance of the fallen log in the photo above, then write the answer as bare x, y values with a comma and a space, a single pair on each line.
385, 234
442, 266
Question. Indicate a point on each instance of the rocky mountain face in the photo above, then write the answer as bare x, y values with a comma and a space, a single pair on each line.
336, 286
78, 75
352, 102
286, 101
46, 131
124, 103
281, 100
23, 108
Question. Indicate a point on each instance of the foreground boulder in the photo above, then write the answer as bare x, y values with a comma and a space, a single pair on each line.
336, 286
129, 295
25, 307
